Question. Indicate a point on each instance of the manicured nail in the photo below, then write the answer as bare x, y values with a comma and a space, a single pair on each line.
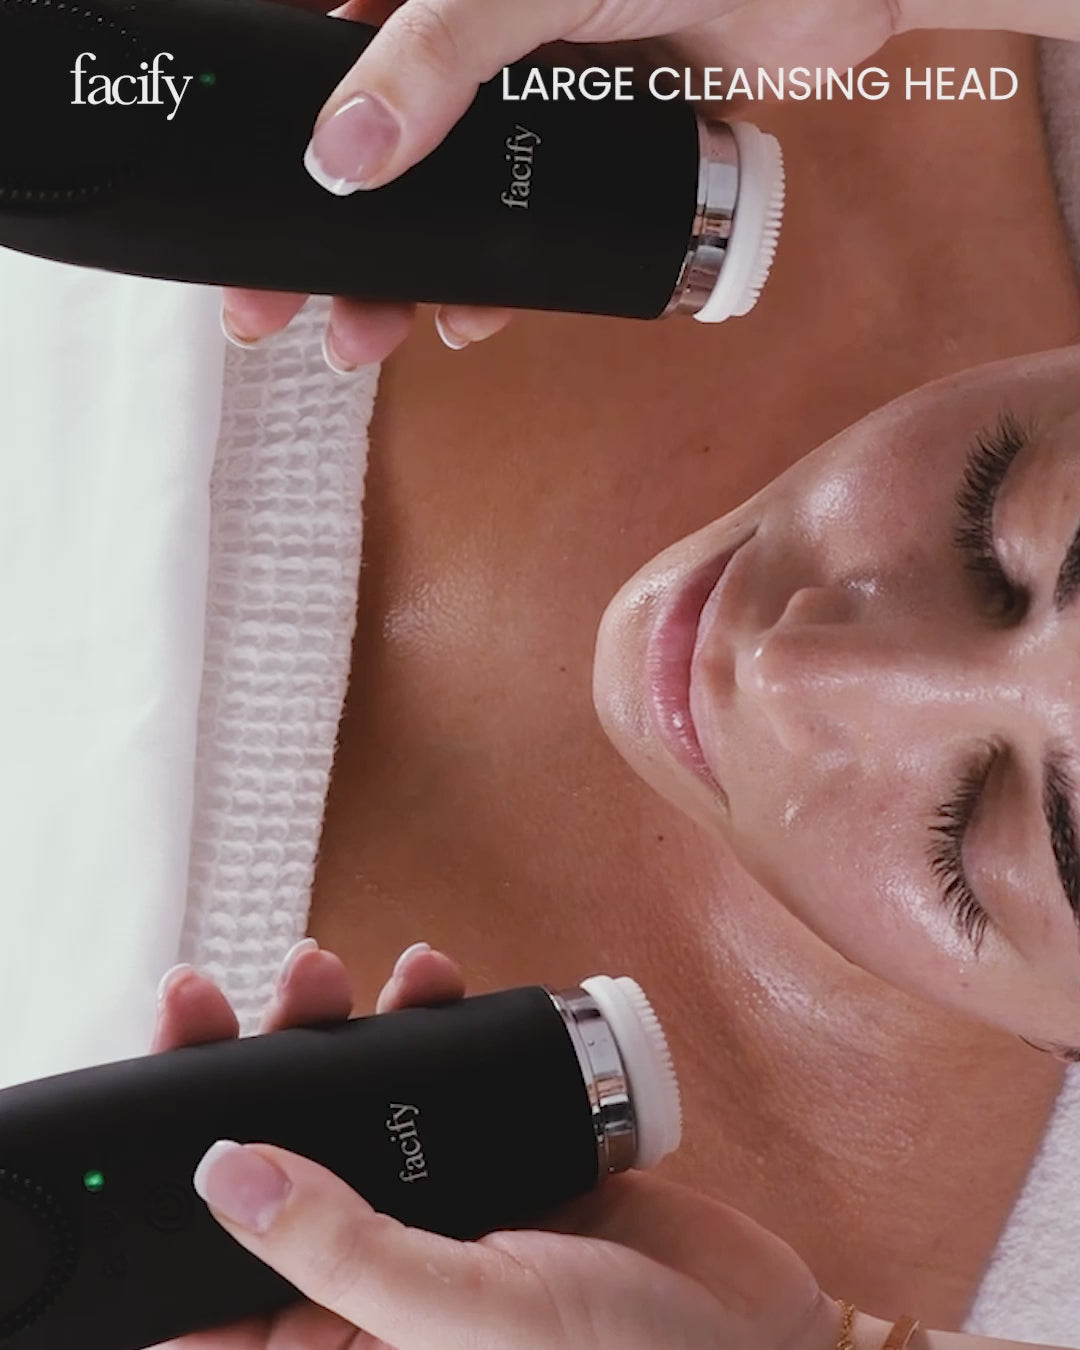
333, 357
407, 955
232, 335
241, 1185
453, 339
350, 147
173, 976
292, 956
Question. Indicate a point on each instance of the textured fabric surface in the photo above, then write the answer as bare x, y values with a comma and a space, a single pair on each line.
285, 533
1031, 1289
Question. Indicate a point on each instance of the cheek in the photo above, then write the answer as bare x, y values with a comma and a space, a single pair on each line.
845, 848
868, 514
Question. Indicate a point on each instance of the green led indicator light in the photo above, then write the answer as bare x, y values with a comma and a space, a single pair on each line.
94, 1180
208, 78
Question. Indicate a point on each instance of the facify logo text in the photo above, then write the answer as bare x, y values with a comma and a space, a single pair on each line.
519, 155
143, 89
401, 1126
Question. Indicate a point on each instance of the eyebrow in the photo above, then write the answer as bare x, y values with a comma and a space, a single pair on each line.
1057, 798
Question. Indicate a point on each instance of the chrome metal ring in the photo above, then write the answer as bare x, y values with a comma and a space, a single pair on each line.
614, 1126
717, 193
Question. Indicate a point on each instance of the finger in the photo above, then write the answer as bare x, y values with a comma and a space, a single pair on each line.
1047, 18
248, 315
417, 77
421, 978
410, 1288
713, 1244
299, 1326
312, 986
414, 1290
685, 1230
366, 11
251, 1334
360, 332
191, 1010
458, 325
306, 1326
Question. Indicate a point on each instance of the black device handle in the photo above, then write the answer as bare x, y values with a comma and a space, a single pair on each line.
219, 194
459, 1119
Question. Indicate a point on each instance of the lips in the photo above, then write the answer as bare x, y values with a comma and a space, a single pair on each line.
668, 658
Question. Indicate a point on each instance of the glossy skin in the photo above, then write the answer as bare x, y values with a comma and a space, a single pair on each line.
848, 666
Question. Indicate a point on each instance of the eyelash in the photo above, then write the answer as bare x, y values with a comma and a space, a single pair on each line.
952, 820
988, 461
987, 464
1058, 1051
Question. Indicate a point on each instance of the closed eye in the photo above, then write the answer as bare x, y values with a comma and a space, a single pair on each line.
948, 831
989, 460
1009, 601
1070, 1054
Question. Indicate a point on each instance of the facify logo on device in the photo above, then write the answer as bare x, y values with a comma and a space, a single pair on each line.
103, 89
403, 1132
519, 155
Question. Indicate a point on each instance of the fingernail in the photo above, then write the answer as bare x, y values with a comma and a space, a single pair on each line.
241, 1185
332, 356
307, 944
350, 147
407, 955
232, 335
452, 339
173, 976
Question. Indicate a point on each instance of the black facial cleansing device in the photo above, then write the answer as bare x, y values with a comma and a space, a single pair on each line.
459, 1119
166, 138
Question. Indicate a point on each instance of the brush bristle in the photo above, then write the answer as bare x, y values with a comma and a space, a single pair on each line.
770, 239
755, 229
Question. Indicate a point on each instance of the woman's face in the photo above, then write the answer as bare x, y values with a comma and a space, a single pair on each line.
867, 678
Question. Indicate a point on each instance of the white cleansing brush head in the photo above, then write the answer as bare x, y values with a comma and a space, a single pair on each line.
643, 1048
755, 228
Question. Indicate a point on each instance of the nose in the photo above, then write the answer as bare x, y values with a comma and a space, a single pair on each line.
836, 669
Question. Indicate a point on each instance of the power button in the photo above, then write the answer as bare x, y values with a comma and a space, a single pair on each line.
168, 1206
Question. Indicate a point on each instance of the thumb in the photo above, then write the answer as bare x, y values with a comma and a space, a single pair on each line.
404, 1286
417, 76
414, 1289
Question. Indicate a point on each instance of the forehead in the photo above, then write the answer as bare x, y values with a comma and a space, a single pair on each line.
924, 436
1043, 391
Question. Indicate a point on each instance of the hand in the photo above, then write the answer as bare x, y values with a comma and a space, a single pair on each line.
314, 988
649, 1263
422, 71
